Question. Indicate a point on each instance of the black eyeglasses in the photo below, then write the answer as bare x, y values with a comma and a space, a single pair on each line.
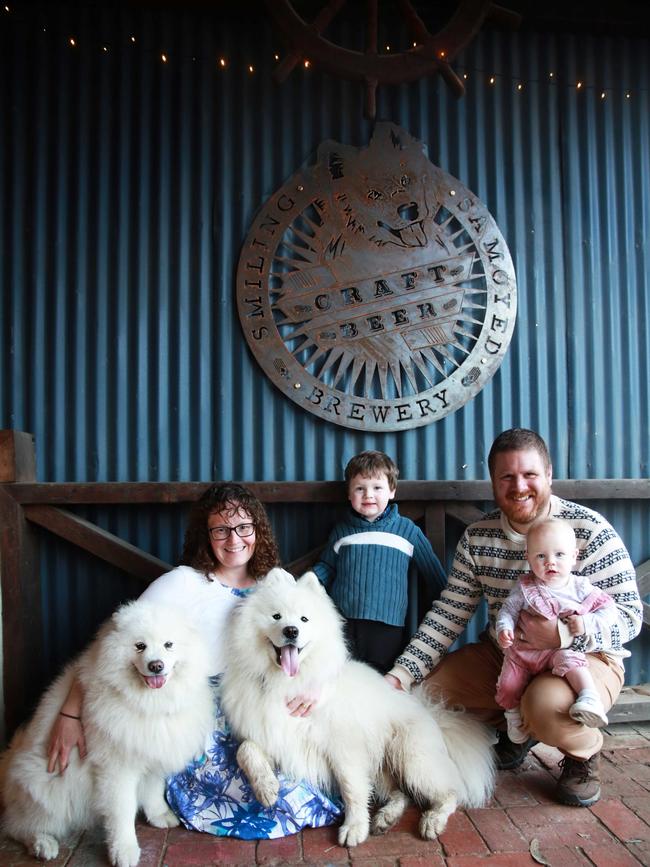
220, 534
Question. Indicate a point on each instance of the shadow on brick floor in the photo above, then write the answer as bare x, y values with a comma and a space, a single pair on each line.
523, 825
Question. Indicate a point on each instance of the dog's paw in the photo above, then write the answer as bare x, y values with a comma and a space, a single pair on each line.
266, 791
432, 824
353, 833
387, 816
166, 819
124, 855
45, 847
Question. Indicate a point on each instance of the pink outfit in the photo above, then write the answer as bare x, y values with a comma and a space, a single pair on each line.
520, 663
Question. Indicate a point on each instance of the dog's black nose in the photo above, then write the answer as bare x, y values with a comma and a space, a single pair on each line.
290, 632
156, 666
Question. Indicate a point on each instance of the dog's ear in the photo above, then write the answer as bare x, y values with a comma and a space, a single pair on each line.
278, 576
310, 580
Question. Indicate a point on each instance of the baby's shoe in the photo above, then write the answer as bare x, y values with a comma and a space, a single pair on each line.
516, 731
589, 710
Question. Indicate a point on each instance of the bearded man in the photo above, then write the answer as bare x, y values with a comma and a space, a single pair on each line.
489, 559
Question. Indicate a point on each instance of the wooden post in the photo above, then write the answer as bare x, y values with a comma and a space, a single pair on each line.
21, 591
17, 456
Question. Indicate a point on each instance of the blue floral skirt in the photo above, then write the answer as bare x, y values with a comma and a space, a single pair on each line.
213, 795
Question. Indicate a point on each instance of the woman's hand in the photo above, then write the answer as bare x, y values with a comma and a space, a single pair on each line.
67, 731
536, 632
66, 734
302, 705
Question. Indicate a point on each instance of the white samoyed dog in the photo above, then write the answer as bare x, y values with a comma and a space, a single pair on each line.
147, 710
361, 736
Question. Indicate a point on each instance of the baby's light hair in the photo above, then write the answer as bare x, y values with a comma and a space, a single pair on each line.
557, 523
372, 463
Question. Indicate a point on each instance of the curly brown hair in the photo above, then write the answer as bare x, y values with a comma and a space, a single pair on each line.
228, 497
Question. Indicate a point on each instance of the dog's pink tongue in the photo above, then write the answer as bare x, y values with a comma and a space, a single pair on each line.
289, 659
155, 681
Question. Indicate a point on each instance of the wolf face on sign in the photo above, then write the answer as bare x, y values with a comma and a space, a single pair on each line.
383, 200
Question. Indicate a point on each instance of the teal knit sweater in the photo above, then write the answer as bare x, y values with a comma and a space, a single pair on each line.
365, 565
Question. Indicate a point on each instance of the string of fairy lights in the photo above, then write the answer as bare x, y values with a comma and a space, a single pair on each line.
491, 79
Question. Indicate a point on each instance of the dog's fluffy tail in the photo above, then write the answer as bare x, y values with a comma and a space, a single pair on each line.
470, 746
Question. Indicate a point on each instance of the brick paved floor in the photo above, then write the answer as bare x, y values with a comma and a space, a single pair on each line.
522, 826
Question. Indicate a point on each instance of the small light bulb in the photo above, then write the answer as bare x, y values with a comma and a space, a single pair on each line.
163, 57
491, 79
276, 56
104, 48
465, 76
222, 61
250, 68
520, 86
628, 95
442, 54
551, 75
133, 40
388, 48
579, 85
603, 95
7, 9
72, 42
307, 64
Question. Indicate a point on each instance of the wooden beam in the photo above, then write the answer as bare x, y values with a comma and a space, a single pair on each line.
465, 513
21, 589
103, 493
97, 541
434, 529
302, 564
630, 706
143, 493
643, 583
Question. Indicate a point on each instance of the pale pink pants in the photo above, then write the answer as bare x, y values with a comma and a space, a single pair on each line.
467, 678
520, 667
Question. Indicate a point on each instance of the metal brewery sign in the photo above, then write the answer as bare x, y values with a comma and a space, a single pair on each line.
374, 289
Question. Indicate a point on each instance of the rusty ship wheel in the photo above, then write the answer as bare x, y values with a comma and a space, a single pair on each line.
431, 54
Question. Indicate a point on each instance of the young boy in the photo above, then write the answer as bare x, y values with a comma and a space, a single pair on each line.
366, 562
551, 590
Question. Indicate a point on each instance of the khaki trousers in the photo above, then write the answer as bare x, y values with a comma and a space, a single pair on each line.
468, 678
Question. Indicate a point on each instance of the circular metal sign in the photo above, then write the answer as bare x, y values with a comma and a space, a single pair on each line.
374, 289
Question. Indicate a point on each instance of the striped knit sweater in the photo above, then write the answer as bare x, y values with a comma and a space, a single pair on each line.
490, 558
365, 565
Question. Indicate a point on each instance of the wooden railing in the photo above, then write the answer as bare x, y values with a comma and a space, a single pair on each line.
26, 504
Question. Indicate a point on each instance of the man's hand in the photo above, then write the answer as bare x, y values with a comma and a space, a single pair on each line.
506, 638
536, 632
394, 681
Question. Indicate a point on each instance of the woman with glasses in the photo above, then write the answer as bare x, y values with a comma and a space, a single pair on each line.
228, 545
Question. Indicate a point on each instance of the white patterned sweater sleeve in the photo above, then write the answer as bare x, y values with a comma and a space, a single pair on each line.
446, 619
605, 562
487, 563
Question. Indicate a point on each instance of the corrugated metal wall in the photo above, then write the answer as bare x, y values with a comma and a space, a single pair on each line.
128, 185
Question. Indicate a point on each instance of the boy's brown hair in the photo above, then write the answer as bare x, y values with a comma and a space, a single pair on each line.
372, 463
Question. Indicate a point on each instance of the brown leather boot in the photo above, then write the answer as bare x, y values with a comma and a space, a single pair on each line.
579, 783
